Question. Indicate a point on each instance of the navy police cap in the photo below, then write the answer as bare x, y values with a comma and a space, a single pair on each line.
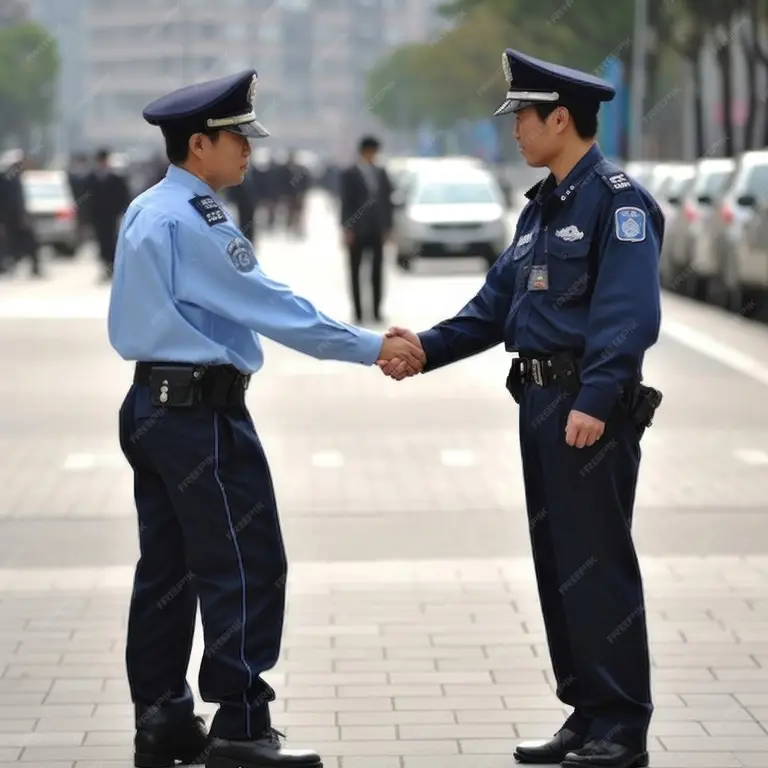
533, 81
222, 104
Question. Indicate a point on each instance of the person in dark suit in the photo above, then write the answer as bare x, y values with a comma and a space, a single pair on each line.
244, 196
108, 197
366, 219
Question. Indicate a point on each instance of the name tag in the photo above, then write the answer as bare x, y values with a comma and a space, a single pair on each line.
538, 279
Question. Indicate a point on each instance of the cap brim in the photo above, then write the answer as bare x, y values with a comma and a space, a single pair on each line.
252, 130
510, 106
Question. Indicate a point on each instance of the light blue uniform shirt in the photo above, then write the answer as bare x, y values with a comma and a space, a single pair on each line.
187, 288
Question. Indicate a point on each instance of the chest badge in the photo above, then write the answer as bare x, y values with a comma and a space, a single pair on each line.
569, 234
630, 224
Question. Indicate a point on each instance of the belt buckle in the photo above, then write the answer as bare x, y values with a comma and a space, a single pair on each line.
536, 373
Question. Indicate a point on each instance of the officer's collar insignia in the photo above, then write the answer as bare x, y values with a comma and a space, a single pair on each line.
252, 89
525, 239
569, 234
506, 68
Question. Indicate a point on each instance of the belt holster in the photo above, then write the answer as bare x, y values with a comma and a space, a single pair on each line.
174, 386
643, 402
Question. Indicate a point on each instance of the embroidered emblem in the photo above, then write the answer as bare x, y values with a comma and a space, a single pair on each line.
252, 89
630, 224
209, 209
241, 255
569, 234
525, 239
506, 68
619, 181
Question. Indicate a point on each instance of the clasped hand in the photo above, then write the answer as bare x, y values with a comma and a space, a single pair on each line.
401, 354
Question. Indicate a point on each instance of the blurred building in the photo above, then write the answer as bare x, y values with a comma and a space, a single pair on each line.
63, 20
13, 12
312, 57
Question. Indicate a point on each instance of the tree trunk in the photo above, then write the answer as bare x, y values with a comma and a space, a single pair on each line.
726, 90
748, 137
698, 104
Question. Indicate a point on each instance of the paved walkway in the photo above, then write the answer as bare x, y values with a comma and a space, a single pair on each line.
405, 664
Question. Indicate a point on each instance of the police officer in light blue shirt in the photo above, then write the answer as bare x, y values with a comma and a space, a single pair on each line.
189, 302
576, 296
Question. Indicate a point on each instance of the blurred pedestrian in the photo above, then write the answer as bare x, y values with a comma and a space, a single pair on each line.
366, 222
298, 184
107, 198
18, 229
188, 303
77, 176
577, 296
244, 197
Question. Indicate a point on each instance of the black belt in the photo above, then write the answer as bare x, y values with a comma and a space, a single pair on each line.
217, 385
542, 370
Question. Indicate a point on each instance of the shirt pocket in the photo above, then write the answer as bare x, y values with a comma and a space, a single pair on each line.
568, 268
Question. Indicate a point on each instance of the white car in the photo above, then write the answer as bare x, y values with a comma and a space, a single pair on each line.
51, 208
451, 211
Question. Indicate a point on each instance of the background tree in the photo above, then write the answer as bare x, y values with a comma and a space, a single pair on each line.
29, 64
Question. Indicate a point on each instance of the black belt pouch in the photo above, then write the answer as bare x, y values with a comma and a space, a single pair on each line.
174, 386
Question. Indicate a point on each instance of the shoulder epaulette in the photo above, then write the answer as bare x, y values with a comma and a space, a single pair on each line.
615, 179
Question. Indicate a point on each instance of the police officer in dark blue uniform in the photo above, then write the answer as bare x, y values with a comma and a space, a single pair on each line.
577, 296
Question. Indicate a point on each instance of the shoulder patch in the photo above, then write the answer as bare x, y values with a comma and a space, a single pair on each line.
241, 255
630, 224
209, 209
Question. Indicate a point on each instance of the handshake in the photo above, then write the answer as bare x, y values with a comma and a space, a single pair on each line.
401, 354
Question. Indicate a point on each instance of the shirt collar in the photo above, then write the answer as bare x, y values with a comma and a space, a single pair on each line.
193, 183
577, 176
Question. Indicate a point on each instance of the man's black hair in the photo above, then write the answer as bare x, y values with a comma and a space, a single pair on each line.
177, 144
102, 155
584, 116
369, 142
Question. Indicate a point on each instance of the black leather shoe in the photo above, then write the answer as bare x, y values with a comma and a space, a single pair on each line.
549, 752
605, 754
266, 752
160, 743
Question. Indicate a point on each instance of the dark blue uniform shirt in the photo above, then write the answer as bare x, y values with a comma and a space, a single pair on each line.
581, 275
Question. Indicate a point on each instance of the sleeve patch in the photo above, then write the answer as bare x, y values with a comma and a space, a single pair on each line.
242, 257
209, 210
630, 224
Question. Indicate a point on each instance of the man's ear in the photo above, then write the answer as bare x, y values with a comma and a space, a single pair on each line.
196, 144
562, 118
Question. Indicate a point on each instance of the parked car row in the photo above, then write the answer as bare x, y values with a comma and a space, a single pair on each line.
716, 240
447, 207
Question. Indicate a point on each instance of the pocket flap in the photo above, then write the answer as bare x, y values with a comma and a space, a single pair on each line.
578, 249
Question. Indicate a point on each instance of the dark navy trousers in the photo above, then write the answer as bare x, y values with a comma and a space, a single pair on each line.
208, 530
580, 505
